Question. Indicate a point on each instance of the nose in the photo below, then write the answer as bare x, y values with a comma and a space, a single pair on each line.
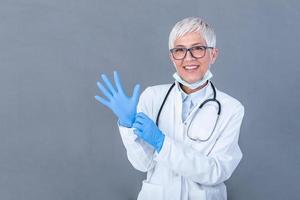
189, 56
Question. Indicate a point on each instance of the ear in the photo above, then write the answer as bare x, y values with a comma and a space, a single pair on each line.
171, 57
214, 54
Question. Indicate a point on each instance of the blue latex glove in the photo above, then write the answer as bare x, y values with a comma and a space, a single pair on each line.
146, 129
122, 106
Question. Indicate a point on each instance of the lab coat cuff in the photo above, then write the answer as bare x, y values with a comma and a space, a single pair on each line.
127, 134
164, 150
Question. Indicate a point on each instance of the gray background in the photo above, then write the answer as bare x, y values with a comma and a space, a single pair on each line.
58, 143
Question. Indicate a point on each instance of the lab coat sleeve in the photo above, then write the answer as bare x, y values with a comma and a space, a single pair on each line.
206, 170
139, 153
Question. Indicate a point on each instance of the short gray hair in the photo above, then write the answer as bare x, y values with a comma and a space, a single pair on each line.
189, 25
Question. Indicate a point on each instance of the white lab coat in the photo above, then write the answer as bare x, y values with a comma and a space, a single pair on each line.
185, 169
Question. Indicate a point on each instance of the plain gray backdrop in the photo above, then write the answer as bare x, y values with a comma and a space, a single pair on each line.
58, 143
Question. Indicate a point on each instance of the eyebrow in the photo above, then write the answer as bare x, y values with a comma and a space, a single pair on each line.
191, 45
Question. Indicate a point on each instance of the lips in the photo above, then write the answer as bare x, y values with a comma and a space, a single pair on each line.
190, 67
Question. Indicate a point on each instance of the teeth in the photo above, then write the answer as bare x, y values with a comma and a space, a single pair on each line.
191, 67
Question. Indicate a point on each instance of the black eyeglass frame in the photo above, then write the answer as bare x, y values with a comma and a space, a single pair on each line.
190, 50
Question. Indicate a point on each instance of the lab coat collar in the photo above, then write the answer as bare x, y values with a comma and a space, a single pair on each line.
208, 93
198, 96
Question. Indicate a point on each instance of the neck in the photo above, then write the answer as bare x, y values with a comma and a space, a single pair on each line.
189, 91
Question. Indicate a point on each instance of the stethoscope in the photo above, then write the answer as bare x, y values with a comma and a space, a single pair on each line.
202, 104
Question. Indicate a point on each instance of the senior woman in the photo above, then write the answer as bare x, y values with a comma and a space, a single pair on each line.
185, 134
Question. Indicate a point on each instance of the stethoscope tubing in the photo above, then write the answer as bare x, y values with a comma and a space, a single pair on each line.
214, 99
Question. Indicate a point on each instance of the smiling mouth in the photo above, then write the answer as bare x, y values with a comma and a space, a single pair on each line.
190, 67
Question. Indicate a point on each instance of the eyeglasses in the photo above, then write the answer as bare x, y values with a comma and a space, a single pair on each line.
196, 52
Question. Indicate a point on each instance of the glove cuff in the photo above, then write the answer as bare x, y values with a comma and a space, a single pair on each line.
125, 124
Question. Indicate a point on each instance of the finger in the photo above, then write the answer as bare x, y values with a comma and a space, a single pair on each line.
108, 84
103, 101
137, 126
144, 118
104, 91
143, 115
138, 133
118, 82
138, 122
139, 115
139, 119
136, 94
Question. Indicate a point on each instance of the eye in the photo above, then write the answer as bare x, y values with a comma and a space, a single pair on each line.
179, 50
199, 48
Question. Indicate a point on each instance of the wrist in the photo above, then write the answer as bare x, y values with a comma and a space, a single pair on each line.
125, 124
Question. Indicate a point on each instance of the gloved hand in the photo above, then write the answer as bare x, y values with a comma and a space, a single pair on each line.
122, 106
146, 129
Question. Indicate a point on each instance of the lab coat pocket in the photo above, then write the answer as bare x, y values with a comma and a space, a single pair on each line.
151, 191
202, 125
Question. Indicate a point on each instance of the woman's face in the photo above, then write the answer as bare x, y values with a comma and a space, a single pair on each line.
189, 68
